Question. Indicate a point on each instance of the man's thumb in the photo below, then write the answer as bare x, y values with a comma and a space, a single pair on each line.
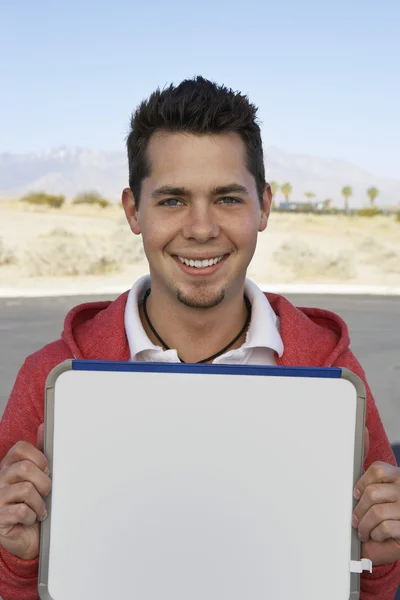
40, 438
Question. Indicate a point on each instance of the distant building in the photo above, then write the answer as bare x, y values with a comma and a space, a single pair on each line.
288, 205
300, 206
392, 209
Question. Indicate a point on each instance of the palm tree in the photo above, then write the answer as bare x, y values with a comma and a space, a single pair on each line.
286, 190
347, 191
274, 188
309, 195
372, 194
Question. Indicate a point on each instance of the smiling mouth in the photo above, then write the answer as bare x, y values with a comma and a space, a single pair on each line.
200, 263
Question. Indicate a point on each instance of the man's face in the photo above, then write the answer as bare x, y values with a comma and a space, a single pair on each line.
199, 216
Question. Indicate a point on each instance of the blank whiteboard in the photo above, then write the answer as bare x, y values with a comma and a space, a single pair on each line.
201, 482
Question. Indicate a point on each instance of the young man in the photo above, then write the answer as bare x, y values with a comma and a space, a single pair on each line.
197, 195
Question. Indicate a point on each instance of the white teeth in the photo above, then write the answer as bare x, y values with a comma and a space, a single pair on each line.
200, 264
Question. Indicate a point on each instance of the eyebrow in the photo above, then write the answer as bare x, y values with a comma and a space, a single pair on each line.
167, 190
231, 188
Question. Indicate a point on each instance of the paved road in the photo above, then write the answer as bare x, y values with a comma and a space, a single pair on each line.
374, 323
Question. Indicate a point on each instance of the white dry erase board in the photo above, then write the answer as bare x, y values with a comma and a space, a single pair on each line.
201, 482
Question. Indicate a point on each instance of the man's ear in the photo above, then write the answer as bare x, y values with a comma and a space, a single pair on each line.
131, 212
266, 207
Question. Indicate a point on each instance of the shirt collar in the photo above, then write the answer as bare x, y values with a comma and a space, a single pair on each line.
264, 325
138, 339
263, 331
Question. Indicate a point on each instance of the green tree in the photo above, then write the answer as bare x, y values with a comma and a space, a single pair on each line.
327, 203
286, 190
309, 195
347, 192
372, 194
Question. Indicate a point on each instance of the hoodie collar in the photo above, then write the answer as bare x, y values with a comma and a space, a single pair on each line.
95, 330
310, 336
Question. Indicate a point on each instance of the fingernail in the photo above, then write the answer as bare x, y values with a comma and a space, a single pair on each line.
44, 516
360, 537
46, 471
355, 522
357, 494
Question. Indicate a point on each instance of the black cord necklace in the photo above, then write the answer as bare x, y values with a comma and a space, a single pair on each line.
209, 358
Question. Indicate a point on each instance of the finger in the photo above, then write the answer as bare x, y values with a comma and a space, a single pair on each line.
23, 492
378, 472
376, 493
366, 444
388, 530
26, 471
40, 438
379, 515
24, 451
15, 513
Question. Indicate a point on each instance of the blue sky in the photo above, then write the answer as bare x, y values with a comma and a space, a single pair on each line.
325, 74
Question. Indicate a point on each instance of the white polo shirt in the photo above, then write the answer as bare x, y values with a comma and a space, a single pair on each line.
262, 339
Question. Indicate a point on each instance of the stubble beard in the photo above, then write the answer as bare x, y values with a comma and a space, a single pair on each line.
200, 298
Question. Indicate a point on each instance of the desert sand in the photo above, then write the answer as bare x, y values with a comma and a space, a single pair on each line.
91, 248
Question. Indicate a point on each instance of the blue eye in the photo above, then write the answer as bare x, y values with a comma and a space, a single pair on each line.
229, 200
171, 202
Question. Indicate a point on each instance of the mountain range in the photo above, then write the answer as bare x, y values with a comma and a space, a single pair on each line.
69, 170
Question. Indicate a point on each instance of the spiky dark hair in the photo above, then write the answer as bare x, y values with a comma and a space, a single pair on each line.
196, 106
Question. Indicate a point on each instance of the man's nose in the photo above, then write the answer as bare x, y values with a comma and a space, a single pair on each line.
201, 224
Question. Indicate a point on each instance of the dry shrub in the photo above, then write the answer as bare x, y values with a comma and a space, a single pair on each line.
91, 197
306, 262
390, 262
60, 232
43, 199
7, 255
380, 255
371, 245
63, 253
127, 247
370, 211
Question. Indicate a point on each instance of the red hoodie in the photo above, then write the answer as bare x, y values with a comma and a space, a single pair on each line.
311, 337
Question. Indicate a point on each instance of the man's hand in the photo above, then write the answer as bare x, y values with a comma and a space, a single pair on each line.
377, 514
24, 482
